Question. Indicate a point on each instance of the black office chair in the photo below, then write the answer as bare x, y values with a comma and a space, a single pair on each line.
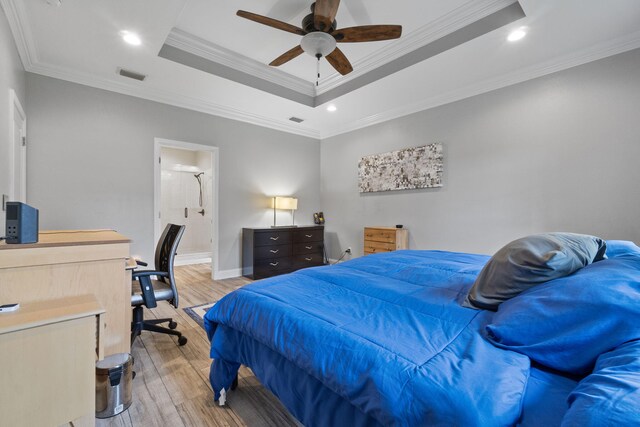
146, 291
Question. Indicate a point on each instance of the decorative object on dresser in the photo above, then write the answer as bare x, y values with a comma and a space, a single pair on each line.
407, 169
267, 252
385, 239
284, 203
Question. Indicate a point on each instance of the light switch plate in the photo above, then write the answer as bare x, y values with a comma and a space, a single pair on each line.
5, 198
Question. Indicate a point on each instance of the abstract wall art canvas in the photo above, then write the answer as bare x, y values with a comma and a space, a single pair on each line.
406, 169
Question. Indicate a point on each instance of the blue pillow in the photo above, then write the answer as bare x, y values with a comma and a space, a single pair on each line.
610, 396
529, 261
621, 247
567, 323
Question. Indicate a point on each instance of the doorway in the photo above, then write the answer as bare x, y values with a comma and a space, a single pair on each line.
186, 194
18, 160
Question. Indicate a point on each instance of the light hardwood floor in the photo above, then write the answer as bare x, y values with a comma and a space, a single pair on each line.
171, 387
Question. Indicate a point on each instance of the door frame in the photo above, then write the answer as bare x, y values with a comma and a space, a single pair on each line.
158, 144
17, 155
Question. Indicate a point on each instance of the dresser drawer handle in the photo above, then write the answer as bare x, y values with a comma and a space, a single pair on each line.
274, 238
308, 235
308, 247
274, 252
274, 264
308, 259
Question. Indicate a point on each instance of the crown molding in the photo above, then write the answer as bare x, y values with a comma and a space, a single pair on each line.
454, 20
170, 98
584, 56
197, 46
21, 31
464, 15
19, 25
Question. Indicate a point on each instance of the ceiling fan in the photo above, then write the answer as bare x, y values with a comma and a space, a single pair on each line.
320, 34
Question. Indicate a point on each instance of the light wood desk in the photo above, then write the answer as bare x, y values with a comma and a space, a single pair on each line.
70, 263
47, 354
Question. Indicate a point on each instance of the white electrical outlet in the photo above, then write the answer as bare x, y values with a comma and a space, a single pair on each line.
348, 251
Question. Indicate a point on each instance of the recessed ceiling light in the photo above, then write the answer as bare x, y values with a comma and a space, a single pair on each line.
331, 108
131, 38
516, 35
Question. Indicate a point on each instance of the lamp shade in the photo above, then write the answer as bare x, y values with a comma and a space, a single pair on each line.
290, 203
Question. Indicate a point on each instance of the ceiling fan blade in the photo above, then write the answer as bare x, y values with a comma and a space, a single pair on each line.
270, 22
325, 13
367, 33
287, 56
339, 62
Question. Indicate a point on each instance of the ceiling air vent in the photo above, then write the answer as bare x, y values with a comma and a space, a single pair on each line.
296, 119
131, 74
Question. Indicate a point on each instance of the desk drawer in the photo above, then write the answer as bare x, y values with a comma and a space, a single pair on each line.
269, 252
272, 238
302, 236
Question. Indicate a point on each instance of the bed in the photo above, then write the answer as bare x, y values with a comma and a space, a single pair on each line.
385, 340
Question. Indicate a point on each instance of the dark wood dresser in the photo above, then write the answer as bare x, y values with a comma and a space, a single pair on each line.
268, 252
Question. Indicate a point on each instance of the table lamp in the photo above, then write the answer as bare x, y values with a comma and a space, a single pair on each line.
284, 203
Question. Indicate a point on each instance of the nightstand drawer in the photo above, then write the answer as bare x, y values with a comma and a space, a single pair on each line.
384, 239
268, 252
308, 248
380, 235
315, 235
272, 238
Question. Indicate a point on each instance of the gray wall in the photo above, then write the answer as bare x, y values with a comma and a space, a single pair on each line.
90, 164
556, 153
12, 76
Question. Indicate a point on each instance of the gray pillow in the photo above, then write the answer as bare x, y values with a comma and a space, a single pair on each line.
530, 261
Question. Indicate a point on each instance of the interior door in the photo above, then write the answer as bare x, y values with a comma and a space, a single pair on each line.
19, 148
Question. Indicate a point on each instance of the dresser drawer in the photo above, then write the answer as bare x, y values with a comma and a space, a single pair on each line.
301, 236
269, 252
309, 260
271, 267
272, 251
272, 238
380, 235
378, 247
308, 248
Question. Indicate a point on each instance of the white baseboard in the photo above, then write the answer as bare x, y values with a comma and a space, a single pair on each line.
189, 259
227, 274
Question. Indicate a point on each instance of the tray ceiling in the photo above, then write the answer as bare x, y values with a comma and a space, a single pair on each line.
80, 41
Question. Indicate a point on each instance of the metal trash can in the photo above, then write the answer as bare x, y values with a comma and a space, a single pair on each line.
113, 384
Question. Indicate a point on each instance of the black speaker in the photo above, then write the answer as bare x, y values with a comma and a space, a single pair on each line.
22, 223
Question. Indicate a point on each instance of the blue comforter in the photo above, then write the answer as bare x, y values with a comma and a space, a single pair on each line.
387, 334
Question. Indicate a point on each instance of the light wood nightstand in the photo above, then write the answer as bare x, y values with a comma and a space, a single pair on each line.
385, 239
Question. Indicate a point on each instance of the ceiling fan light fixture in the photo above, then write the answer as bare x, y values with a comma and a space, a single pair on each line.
318, 43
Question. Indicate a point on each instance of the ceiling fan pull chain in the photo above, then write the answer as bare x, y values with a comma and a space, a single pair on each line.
318, 69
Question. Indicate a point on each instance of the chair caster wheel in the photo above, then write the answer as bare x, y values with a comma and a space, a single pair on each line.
172, 325
182, 340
